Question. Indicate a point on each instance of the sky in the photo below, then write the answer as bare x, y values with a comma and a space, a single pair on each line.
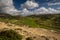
42, 3
30, 7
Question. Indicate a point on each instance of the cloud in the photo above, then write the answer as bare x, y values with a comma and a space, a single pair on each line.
43, 10
56, 3
30, 5
58, 8
26, 12
6, 6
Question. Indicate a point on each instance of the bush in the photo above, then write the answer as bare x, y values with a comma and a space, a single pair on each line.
10, 35
29, 38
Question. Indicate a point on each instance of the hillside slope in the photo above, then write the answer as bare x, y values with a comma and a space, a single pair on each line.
34, 33
49, 21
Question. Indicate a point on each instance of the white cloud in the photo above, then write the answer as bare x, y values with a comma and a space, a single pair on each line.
6, 6
44, 10
56, 3
41, 10
26, 12
30, 5
58, 8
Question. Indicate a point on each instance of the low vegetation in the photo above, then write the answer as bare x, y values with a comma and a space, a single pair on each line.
44, 21
10, 35
29, 38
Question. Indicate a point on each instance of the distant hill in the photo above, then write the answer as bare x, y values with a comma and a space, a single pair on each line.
4, 15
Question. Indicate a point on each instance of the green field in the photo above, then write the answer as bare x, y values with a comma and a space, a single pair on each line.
40, 21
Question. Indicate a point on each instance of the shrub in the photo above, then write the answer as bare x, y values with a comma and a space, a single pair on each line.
10, 35
29, 38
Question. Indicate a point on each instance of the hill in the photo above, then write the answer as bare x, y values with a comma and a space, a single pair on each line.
15, 32
49, 21
34, 27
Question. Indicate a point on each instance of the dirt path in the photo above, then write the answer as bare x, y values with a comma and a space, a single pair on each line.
35, 33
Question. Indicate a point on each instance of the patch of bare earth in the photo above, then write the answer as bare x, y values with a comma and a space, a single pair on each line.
34, 33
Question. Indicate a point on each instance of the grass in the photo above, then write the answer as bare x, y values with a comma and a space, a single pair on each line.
43, 21
10, 35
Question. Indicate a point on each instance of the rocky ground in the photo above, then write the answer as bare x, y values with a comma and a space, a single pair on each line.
34, 33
